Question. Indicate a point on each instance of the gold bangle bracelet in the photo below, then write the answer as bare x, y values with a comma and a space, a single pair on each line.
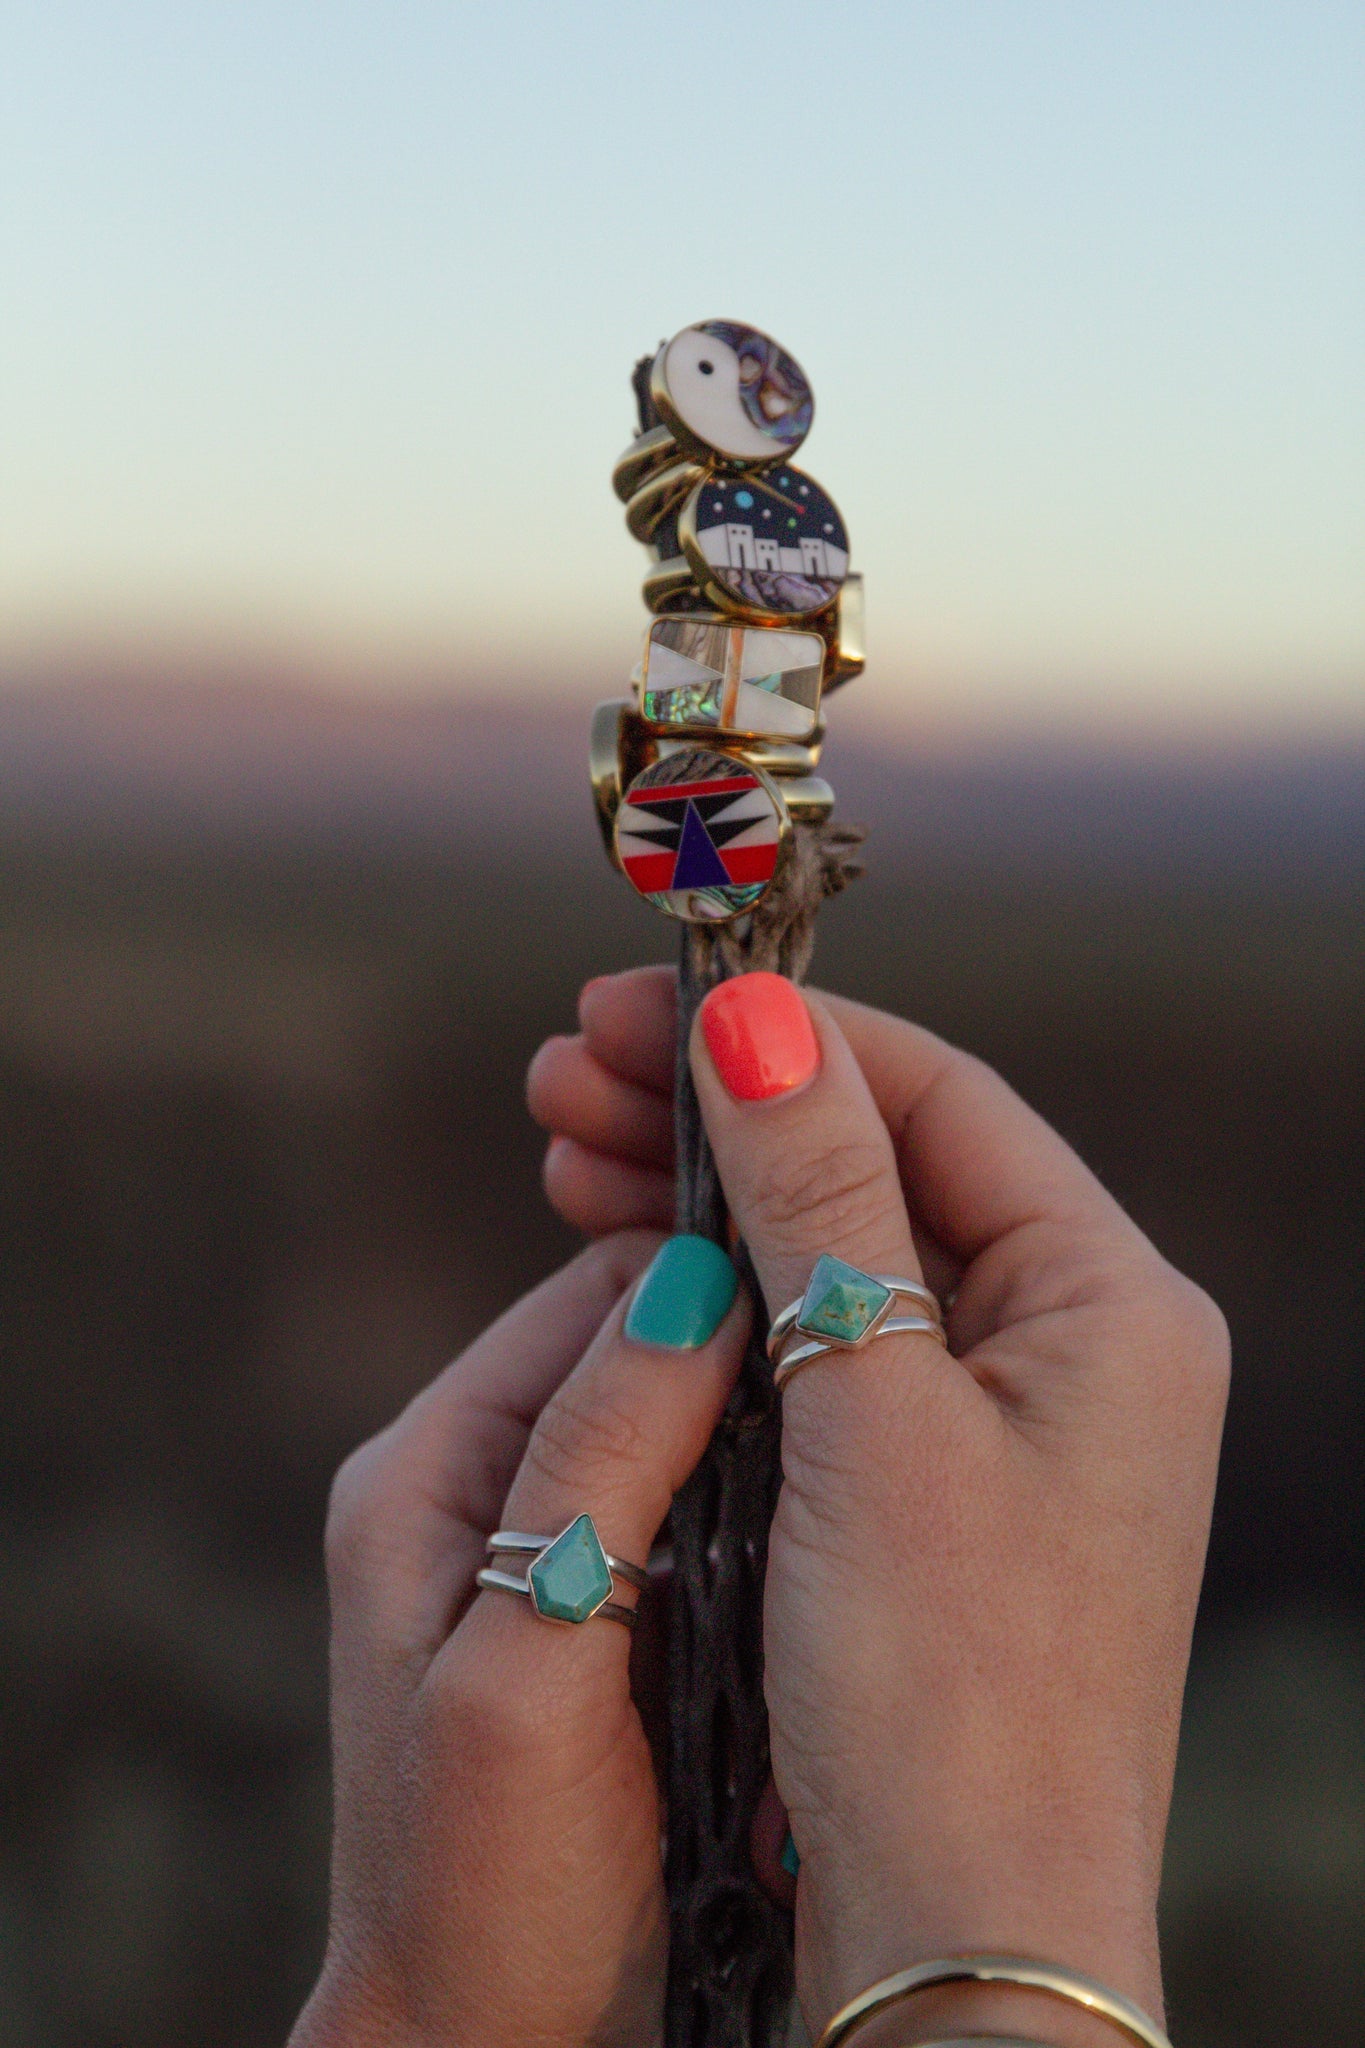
1049, 1978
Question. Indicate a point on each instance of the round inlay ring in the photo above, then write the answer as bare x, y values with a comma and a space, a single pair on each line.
702, 834
729, 390
771, 548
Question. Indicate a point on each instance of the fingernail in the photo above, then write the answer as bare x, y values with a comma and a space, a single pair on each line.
684, 1296
789, 1859
759, 1035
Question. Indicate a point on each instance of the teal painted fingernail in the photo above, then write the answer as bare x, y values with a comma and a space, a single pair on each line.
685, 1295
789, 1859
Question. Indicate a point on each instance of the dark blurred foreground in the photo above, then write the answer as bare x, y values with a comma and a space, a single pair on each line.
272, 971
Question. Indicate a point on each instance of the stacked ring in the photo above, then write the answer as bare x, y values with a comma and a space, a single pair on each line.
844, 1308
572, 1577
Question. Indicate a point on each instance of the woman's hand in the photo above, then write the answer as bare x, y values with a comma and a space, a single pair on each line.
496, 1867
984, 1565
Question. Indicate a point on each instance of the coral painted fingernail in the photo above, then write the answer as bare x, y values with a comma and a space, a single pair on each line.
684, 1296
759, 1035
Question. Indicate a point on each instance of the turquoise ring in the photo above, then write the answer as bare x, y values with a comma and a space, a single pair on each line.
572, 1577
844, 1308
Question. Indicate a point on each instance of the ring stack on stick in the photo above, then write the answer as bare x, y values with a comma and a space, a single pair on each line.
701, 773
707, 792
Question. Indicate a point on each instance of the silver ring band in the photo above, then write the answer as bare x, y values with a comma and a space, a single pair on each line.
514, 1543
506, 1582
894, 1326
912, 1290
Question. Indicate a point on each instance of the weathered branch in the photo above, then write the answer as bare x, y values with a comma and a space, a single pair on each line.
730, 1968
730, 1959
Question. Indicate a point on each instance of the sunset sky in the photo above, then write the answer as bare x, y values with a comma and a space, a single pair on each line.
318, 323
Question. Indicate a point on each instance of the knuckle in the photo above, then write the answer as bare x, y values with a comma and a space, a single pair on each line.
619, 1257
829, 1193
473, 1712
351, 1514
583, 1428
1202, 1335
623, 1256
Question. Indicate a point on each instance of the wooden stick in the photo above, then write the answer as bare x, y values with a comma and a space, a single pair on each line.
730, 1956
730, 1971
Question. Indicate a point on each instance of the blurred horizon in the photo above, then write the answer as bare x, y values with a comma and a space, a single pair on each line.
318, 345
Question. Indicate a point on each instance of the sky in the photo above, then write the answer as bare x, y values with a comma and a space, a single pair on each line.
318, 322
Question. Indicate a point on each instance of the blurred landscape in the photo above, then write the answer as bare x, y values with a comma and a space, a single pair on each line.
273, 965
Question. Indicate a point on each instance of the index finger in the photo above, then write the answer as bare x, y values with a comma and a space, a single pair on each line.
411, 1508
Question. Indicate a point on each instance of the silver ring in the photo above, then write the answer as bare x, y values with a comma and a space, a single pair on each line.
571, 1579
891, 1326
790, 1318
507, 1582
512, 1543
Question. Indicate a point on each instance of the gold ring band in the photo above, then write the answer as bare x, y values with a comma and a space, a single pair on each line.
1055, 1982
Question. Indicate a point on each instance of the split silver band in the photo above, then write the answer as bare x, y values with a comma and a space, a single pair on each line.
571, 1577
844, 1308
507, 1582
894, 1326
513, 1543
909, 1290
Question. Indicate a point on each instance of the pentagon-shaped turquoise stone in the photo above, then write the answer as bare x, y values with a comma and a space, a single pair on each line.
840, 1302
571, 1579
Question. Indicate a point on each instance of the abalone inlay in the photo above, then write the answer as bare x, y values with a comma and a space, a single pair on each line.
772, 545
758, 681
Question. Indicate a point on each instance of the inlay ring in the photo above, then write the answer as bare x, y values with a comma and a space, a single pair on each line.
845, 1307
572, 1577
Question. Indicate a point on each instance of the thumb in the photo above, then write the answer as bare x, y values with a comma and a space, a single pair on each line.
805, 1159
626, 1428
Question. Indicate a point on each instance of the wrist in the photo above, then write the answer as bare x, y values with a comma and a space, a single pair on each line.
347, 2011
1086, 1904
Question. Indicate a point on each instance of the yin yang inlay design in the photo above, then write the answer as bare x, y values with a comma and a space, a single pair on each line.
736, 391
754, 680
772, 545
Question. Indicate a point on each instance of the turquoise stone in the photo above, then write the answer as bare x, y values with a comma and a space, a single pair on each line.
571, 1579
840, 1302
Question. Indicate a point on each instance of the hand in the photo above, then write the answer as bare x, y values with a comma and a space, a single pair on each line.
496, 1867
984, 1565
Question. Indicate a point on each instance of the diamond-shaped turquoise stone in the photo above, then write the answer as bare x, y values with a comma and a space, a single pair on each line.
840, 1302
571, 1579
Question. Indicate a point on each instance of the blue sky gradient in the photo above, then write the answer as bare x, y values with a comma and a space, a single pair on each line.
318, 323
